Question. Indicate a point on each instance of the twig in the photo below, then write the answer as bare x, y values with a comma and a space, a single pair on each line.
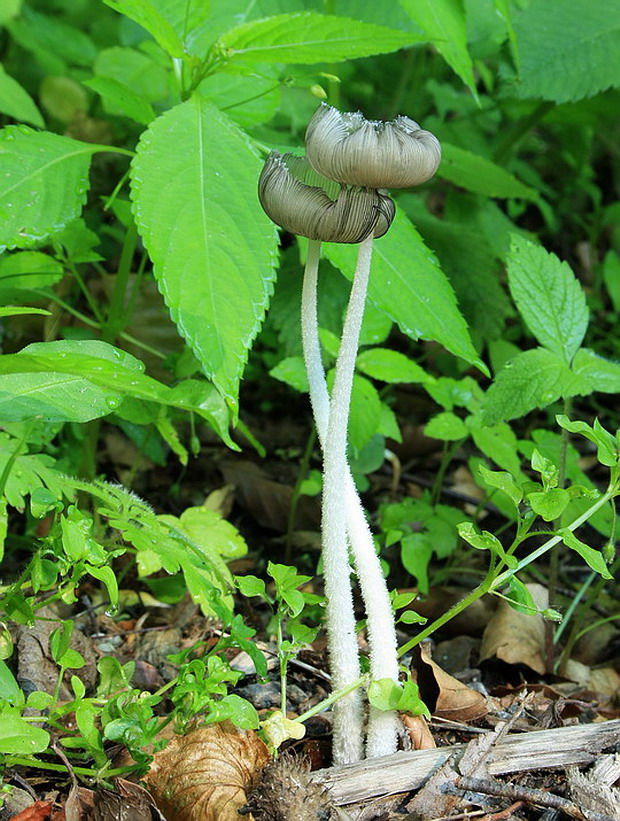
514, 792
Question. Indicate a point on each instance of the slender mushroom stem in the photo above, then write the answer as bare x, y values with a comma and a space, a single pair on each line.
383, 726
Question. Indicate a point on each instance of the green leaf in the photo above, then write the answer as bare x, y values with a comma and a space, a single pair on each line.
602, 374
251, 586
390, 366
446, 426
26, 472
607, 450
307, 37
208, 527
212, 246
569, 49
591, 557
481, 541
550, 504
106, 575
120, 98
533, 379
548, 296
504, 481
365, 412
498, 442
29, 270
20, 737
43, 184
476, 173
408, 285
415, 554
292, 371
16, 102
9, 688
520, 598
443, 22
135, 69
152, 16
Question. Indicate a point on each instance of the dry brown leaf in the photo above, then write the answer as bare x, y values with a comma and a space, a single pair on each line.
204, 775
517, 638
605, 680
419, 733
445, 695
221, 500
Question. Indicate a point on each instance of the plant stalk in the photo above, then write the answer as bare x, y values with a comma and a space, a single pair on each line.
383, 727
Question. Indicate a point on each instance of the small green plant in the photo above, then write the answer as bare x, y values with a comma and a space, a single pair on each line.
288, 603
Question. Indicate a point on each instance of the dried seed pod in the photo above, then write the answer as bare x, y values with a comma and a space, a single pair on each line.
348, 148
301, 201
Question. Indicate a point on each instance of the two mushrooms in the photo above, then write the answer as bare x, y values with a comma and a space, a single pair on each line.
336, 194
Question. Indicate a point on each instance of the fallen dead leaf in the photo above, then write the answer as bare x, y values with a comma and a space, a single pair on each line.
517, 638
39, 811
204, 775
419, 733
445, 695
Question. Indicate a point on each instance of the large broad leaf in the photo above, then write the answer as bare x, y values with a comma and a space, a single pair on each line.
602, 374
16, 102
407, 283
78, 381
169, 21
308, 37
213, 249
43, 184
548, 297
476, 173
443, 22
568, 49
533, 379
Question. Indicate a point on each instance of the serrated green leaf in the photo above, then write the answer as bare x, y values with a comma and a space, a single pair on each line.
212, 246
390, 366
550, 504
476, 173
533, 379
56, 383
602, 374
308, 37
16, 102
446, 426
548, 296
408, 285
569, 49
43, 184
26, 472
593, 558
153, 15
443, 22
120, 98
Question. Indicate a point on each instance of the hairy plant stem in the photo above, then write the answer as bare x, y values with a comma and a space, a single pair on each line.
383, 726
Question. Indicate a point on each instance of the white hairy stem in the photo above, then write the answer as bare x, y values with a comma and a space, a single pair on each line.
383, 726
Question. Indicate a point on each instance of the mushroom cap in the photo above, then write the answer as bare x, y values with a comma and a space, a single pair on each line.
298, 199
348, 148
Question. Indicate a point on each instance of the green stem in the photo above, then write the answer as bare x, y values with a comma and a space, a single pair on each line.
493, 582
116, 314
25, 761
449, 449
333, 697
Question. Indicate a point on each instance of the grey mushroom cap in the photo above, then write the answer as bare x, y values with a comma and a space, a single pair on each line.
298, 199
348, 148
